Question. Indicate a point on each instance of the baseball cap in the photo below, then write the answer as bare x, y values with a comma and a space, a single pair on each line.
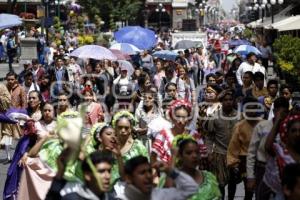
27, 62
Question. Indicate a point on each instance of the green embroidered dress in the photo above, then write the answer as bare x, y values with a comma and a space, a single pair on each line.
208, 189
137, 149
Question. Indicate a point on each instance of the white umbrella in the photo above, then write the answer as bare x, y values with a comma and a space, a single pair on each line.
126, 48
94, 52
9, 20
125, 65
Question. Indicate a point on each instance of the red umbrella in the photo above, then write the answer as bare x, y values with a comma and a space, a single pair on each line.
120, 55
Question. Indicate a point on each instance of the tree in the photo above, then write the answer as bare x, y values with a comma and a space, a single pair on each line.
287, 52
112, 10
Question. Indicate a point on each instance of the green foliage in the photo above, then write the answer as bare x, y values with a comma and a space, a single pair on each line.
287, 51
248, 33
56, 23
112, 10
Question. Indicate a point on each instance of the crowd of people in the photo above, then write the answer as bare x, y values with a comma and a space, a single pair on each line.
182, 129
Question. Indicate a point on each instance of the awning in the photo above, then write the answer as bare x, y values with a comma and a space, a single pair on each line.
267, 22
255, 24
292, 23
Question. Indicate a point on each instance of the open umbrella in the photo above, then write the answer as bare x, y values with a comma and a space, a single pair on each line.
165, 55
244, 50
126, 48
140, 37
234, 43
9, 20
120, 55
94, 52
125, 65
185, 44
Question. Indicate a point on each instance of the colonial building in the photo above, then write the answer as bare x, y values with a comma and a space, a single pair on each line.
177, 14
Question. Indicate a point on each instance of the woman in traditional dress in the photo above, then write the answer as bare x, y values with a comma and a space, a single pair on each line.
188, 162
36, 177
124, 122
24, 145
180, 112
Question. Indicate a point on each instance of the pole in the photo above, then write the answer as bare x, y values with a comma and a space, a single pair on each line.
272, 13
58, 9
160, 18
47, 18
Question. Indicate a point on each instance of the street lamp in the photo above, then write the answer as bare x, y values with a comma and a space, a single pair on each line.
202, 8
160, 9
273, 3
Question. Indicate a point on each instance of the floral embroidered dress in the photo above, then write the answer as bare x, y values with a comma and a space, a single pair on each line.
163, 143
137, 149
208, 189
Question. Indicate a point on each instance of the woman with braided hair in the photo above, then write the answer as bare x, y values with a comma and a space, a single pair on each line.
188, 162
124, 122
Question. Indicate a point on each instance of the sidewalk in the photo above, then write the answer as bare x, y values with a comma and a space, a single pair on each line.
4, 69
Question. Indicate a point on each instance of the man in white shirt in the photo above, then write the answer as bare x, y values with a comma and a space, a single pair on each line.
249, 65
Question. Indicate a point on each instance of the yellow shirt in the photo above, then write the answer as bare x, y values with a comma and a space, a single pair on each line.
239, 143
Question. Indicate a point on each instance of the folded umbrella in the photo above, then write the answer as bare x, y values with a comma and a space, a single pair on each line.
126, 48
94, 52
165, 55
142, 38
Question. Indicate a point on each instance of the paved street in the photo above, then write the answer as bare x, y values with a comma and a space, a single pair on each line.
4, 69
3, 169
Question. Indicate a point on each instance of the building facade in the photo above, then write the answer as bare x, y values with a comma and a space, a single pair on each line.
177, 14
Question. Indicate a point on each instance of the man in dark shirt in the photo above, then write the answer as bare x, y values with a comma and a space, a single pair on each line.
65, 190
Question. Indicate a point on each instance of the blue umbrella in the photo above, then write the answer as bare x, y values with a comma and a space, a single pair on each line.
126, 48
140, 37
9, 20
234, 43
165, 55
244, 50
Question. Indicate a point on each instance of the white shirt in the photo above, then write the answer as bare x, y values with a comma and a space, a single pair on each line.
245, 66
185, 187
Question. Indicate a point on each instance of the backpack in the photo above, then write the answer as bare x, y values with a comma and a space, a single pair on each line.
11, 50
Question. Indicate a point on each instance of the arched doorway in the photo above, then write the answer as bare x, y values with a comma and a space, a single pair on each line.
159, 19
